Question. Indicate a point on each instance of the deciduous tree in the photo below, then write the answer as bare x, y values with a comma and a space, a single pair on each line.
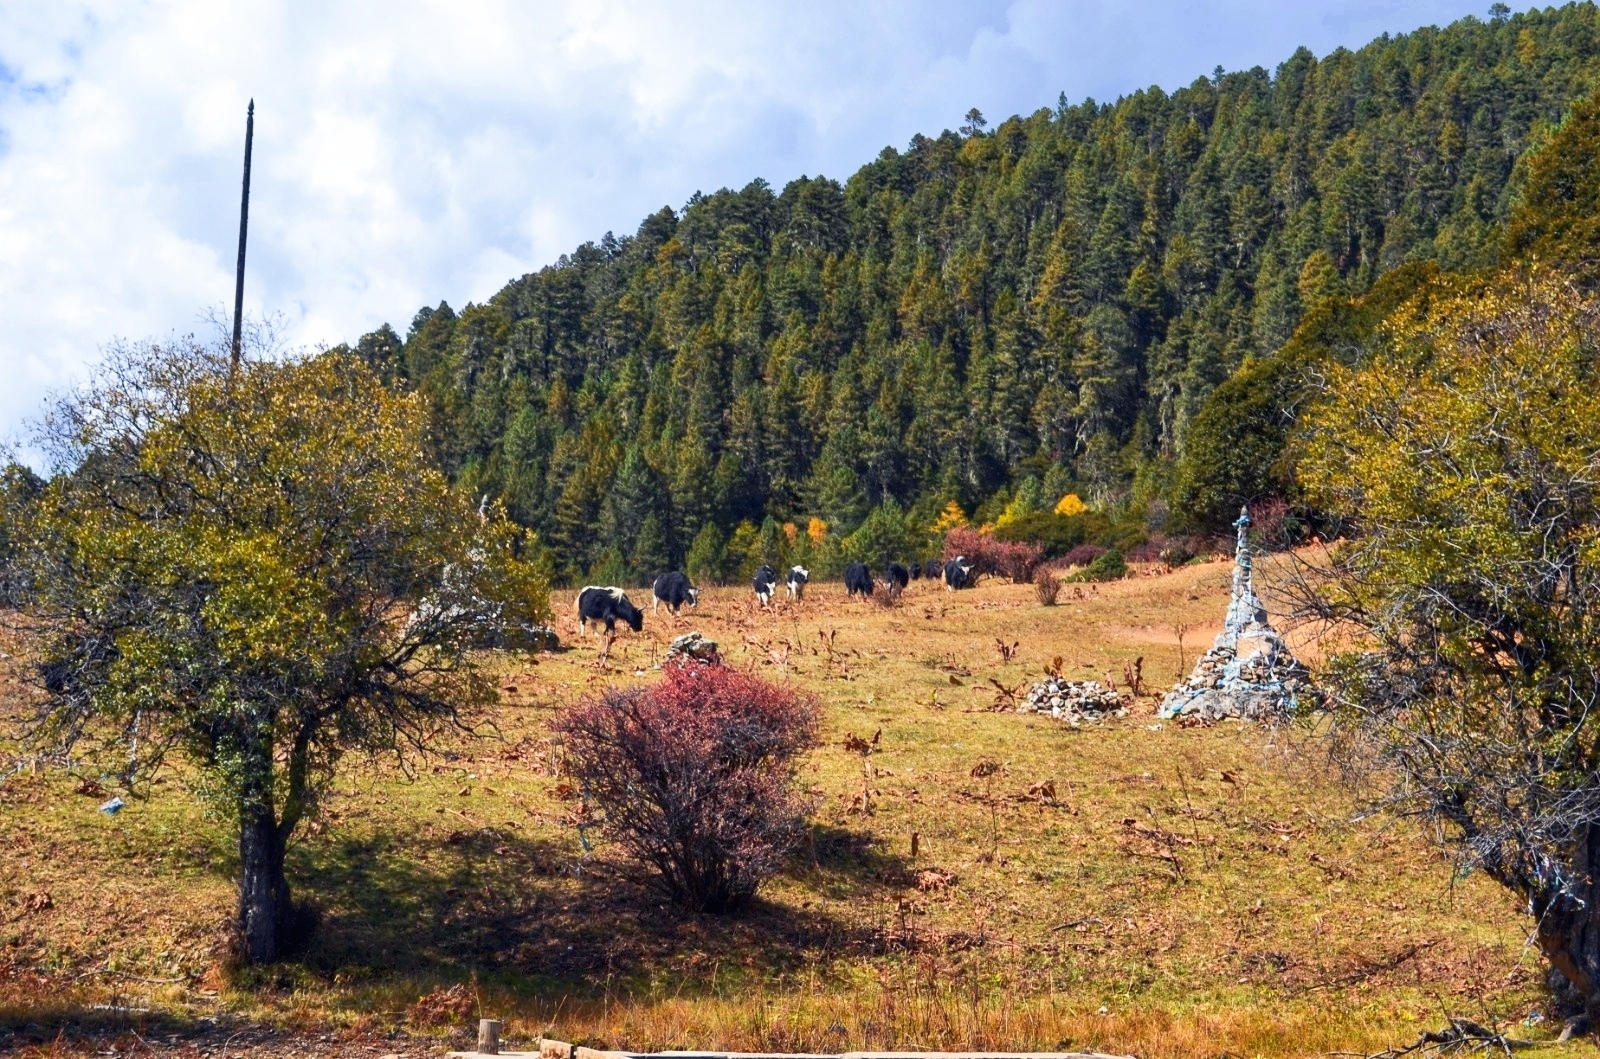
259, 569
1466, 456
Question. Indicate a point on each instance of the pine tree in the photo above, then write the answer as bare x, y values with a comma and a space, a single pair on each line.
633, 496
650, 557
706, 560
1067, 288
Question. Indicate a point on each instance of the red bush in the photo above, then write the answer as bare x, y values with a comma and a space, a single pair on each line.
695, 776
1275, 523
1017, 560
1148, 551
1014, 560
1083, 554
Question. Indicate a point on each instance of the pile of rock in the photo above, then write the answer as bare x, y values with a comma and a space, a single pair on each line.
1249, 673
1073, 700
1267, 684
693, 647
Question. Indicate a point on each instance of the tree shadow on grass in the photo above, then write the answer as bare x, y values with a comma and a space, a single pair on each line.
498, 905
842, 864
67, 1029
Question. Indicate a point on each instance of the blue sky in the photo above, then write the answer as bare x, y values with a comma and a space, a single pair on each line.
408, 152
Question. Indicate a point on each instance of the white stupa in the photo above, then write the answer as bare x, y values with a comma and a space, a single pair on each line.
1249, 672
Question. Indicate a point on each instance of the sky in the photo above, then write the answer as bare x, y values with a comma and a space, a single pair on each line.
411, 152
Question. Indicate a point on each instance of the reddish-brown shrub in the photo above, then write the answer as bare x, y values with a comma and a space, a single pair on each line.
967, 542
443, 1007
1084, 554
1148, 551
1275, 524
1017, 560
695, 776
1014, 560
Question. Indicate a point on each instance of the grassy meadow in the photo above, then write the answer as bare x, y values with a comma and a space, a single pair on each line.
1135, 887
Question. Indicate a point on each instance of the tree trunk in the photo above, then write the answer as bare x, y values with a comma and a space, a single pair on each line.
263, 891
1568, 923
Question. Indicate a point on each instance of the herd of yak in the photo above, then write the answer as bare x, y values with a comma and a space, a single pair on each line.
606, 605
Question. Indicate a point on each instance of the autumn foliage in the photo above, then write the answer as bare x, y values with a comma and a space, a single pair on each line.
1463, 456
695, 776
1013, 560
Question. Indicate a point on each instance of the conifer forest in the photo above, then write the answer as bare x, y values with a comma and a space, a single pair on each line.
995, 316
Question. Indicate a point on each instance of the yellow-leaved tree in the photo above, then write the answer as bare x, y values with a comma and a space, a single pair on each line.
1071, 505
258, 567
1464, 454
949, 518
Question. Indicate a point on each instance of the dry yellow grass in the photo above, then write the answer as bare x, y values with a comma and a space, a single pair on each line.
1187, 891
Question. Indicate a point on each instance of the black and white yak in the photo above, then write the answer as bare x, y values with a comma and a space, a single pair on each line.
796, 580
765, 584
674, 590
958, 574
606, 605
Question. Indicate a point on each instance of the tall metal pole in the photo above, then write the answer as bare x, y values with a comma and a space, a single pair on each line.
244, 224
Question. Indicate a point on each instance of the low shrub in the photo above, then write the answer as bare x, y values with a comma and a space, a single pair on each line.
1017, 560
888, 597
1109, 566
1147, 551
695, 777
443, 1007
1276, 524
1056, 534
1014, 560
1176, 553
1047, 586
1084, 554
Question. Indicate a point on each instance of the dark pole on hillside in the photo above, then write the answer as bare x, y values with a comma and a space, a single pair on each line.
244, 224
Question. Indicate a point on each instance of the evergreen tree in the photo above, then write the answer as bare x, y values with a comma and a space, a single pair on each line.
883, 537
650, 557
634, 496
706, 559
1068, 288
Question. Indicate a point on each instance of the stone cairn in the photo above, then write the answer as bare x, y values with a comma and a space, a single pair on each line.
692, 647
1249, 673
1073, 701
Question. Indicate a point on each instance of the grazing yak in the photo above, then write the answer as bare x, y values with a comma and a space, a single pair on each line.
765, 584
896, 577
606, 605
674, 590
958, 574
857, 579
933, 569
795, 582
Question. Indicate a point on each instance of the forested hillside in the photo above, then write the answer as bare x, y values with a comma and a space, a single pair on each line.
1040, 307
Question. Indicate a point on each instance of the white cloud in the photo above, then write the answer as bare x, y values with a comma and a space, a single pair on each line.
408, 152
